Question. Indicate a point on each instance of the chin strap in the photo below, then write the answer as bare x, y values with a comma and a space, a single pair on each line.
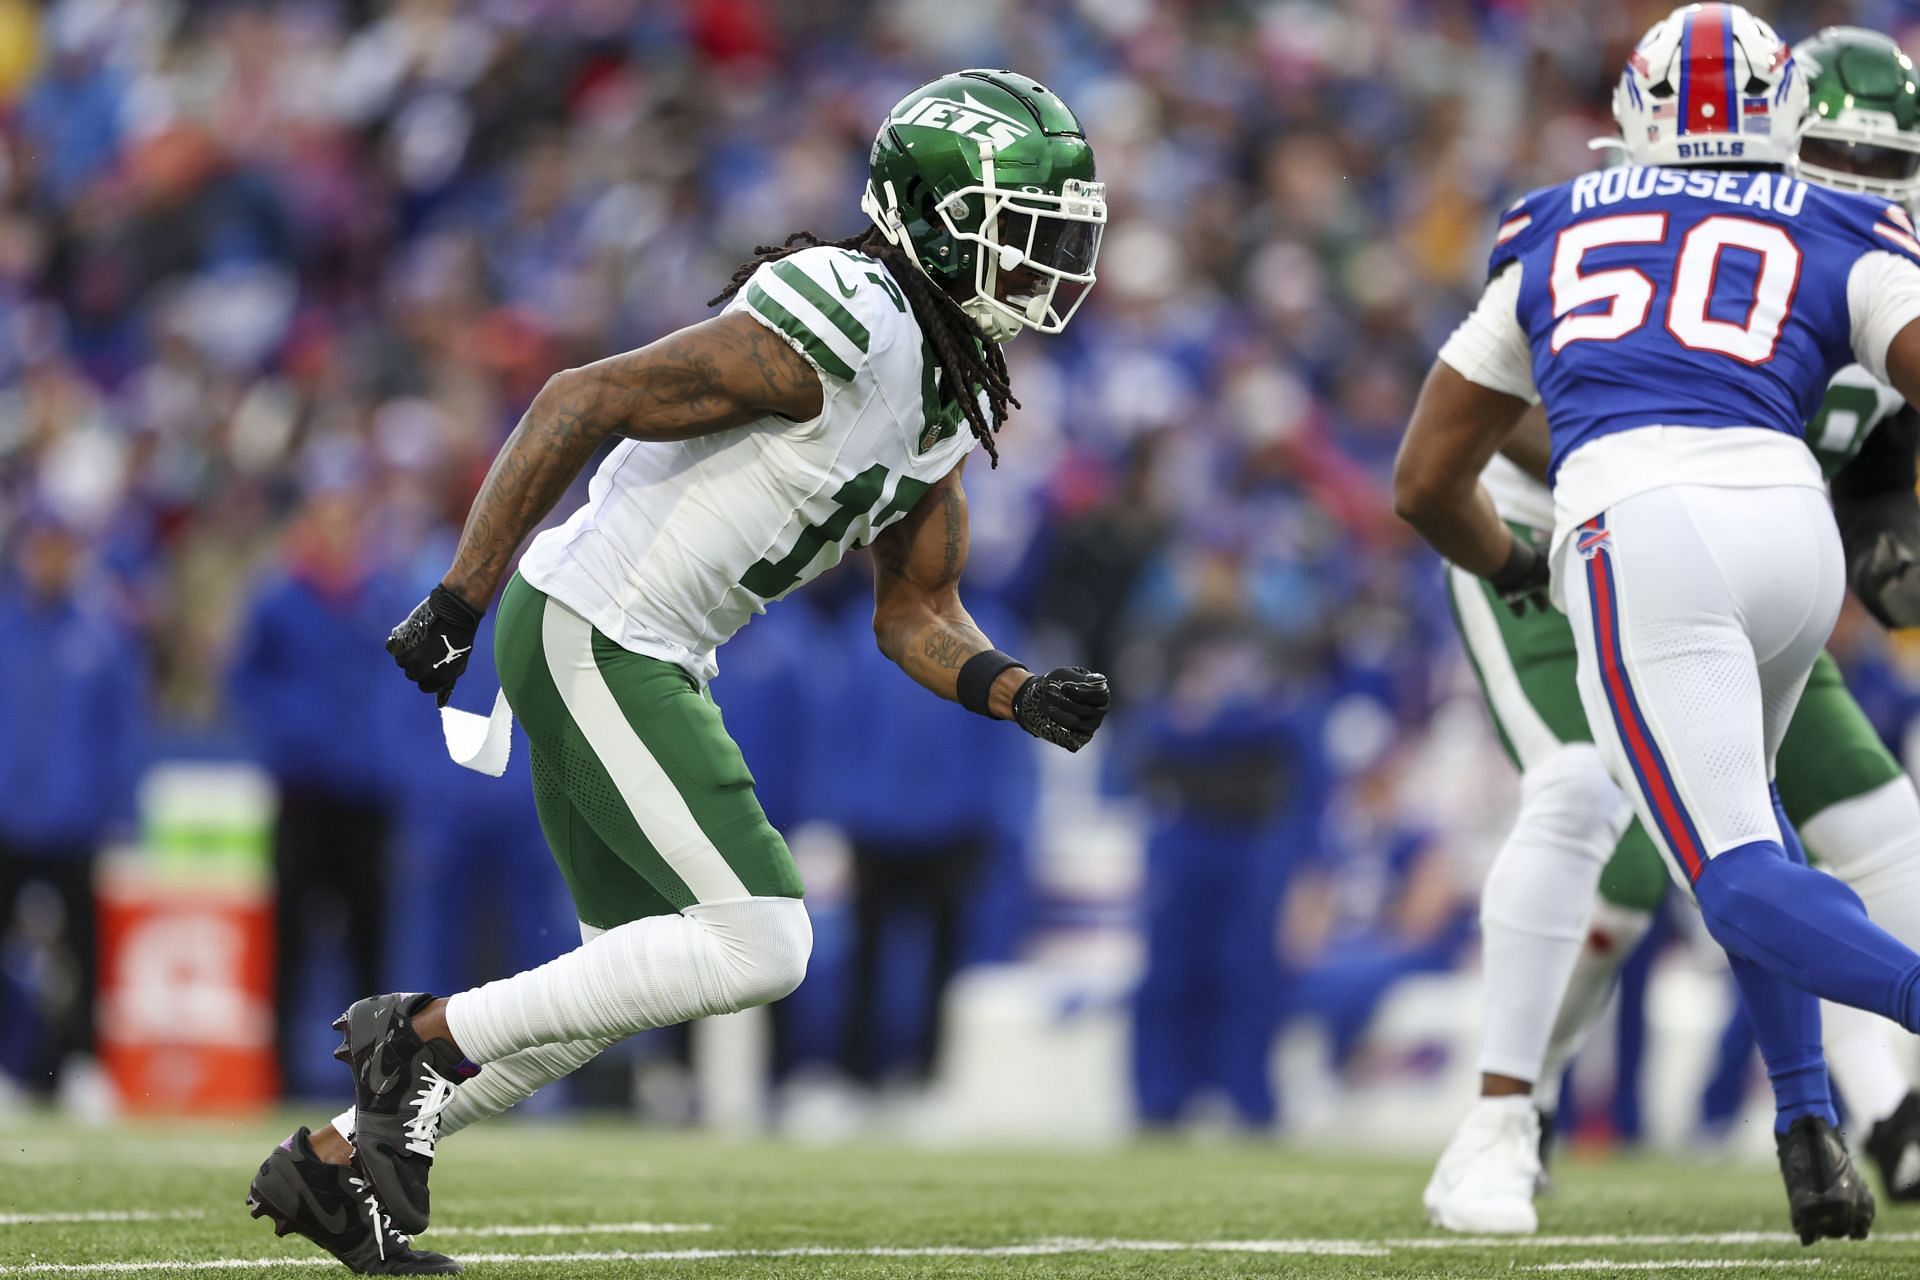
994, 323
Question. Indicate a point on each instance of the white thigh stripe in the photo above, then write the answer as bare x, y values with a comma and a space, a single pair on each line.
656, 804
1532, 740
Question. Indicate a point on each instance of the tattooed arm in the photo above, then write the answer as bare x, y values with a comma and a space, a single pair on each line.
721, 373
917, 615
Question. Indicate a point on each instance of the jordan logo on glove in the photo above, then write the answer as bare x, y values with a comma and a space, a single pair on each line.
453, 654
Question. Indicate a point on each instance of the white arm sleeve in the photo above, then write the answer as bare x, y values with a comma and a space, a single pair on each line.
1883, 297
1490, 348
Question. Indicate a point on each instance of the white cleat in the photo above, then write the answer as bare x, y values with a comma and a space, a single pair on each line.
1485, 1180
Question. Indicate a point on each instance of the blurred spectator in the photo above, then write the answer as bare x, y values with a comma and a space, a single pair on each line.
1385, 906
924, 792
1230, 767
308, 683
72, 717
1099, 557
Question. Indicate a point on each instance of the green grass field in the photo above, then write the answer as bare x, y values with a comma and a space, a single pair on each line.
605, 1199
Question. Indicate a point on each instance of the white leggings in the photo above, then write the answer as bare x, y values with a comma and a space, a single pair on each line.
1698, 613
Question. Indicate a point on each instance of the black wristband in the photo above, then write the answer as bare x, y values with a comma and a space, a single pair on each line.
452, 607
976, 678
1519, 568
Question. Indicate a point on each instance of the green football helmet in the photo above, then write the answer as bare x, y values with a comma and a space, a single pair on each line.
1862, 130
986, 172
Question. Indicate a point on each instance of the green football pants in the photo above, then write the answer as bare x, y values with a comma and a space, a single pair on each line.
645, 801
1526, 669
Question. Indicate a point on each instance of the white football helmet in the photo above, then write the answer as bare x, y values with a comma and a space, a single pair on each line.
1710, 84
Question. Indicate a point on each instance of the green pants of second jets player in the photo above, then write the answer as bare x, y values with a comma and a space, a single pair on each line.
1526, 669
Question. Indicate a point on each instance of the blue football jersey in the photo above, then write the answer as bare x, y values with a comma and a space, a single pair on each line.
1688, 297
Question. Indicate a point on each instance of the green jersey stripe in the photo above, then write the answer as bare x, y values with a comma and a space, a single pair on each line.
829, 306
788, 323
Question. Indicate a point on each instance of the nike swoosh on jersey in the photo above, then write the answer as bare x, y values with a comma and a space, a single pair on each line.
841, 284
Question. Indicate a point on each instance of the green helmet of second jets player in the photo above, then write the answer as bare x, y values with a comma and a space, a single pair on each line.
1862, 129
980, 174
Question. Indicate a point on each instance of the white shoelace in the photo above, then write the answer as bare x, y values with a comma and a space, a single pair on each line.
424, 1129
378, 1214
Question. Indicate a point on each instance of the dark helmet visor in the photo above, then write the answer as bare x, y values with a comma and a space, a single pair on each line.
1862, 159
1066, 245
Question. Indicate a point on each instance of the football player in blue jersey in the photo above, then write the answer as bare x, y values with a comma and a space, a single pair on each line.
1552, 947
1680, 318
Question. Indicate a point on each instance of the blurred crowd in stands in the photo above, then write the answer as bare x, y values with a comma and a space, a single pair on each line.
276, 277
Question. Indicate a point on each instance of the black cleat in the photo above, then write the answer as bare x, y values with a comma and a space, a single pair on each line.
332, 1205
1825, 1193
1894, 1147
400, 1087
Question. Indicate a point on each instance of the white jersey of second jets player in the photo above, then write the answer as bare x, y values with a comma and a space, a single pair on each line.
680, 543
1855, 403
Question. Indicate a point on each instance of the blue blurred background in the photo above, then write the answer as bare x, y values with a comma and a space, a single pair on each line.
277, 278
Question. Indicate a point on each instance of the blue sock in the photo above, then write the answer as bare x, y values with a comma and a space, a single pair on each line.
1809, 929
1786, 1022
1786, 1027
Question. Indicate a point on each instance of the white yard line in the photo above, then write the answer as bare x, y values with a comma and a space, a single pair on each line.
1044, 1248
1611, 1265
102, 1215
579, 1229
1618, 1241
1037, 1248
171, 1264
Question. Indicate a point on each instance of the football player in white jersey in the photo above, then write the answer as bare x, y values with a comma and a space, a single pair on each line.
832, 404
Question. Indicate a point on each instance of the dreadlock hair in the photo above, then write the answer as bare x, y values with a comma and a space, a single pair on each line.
968, 364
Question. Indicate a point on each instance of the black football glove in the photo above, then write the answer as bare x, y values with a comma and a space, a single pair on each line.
432, 645
1523, 580
1063, 707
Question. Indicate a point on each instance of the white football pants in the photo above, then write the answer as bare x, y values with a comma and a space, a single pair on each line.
1698, 613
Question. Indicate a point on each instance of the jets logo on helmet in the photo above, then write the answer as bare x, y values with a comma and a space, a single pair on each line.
968, 118
985, 177
1710, 83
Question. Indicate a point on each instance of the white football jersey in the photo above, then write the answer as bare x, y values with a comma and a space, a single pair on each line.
680, 543
1855, 403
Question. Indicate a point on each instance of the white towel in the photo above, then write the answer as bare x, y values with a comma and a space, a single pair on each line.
480, 743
